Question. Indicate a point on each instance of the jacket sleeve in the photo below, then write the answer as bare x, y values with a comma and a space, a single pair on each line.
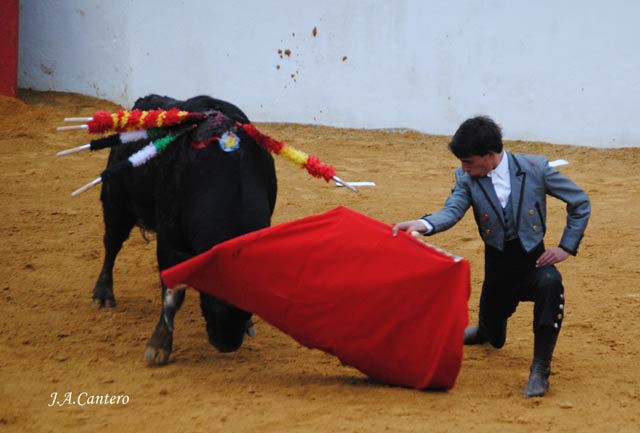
578, 207
454, 208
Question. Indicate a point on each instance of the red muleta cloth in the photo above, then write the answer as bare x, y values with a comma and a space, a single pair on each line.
395, 308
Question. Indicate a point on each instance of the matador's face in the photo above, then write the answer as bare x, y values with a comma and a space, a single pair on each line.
478, 166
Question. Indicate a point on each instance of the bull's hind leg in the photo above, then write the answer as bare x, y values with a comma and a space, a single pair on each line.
117, 229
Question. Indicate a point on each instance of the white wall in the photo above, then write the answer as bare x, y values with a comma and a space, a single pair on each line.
558, 71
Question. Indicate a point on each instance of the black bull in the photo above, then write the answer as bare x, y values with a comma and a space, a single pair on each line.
193, 197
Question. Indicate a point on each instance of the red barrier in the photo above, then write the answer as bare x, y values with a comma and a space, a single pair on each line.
9, 47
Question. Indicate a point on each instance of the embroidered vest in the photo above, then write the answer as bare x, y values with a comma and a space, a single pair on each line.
509, 222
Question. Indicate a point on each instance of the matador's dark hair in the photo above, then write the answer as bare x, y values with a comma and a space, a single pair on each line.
476, 136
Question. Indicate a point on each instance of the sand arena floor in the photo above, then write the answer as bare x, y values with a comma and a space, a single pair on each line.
52, 341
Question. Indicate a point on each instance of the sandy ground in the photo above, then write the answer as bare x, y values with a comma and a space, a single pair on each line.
52, 341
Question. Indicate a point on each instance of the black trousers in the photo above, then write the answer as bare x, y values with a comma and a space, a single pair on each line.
510, 277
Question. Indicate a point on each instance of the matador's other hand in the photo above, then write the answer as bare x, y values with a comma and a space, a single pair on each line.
409, 226
551, 257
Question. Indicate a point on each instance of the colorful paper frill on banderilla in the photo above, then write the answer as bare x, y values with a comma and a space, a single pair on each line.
394, 308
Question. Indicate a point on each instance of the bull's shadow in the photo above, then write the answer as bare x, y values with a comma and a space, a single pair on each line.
194, 195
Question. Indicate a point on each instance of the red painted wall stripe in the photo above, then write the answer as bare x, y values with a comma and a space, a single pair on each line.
9, 47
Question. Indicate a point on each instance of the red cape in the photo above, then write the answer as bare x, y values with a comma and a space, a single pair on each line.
395, 308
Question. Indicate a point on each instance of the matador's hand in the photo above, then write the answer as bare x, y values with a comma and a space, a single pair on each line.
409, 226
551, 257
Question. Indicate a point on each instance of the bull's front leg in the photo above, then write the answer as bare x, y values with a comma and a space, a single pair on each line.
160, 344
118, 222
116, 232
103, 290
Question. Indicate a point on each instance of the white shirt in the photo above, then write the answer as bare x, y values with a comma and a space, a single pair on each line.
501, 180
501, 183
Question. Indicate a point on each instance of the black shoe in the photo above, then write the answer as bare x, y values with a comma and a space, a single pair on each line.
538, 379
474, 335
544, 342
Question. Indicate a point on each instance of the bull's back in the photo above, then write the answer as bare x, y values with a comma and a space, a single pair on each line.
165, 185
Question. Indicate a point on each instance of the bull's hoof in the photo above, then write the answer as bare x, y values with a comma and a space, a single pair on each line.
159, 345
156, 356
101, 303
